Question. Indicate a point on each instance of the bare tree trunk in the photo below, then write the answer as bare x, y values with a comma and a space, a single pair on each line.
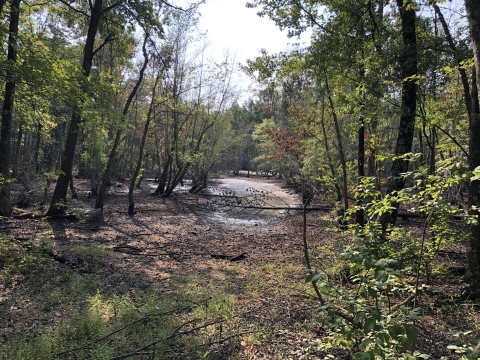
111, 157
408, 106
458, 60
131, 200
7, 111
473, 248
343, 158
58, 204
327, 150
162, 181
360, 214
18, 146
37, 148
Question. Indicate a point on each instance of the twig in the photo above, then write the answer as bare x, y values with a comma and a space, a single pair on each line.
177, 332
228, 338
149, 316
407, 300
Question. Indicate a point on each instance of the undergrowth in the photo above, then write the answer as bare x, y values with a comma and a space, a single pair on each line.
85, 318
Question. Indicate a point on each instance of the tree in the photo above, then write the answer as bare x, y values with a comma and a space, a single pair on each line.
96, 13
111, 157
408, 62
7, 110
473, 251
136, 171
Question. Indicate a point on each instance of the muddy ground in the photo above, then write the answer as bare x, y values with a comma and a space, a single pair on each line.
177, 245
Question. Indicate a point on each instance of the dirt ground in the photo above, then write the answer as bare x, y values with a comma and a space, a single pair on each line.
176, 244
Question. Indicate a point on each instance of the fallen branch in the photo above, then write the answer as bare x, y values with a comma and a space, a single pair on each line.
229, 257
147, 317
406, 301
177, 332
221, 341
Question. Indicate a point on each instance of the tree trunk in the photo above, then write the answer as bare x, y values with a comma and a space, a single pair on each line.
408, 106
18, 146
162, 181
360, 214
38, 139
58, 204
343, 158
327, 150
131, 200
473, 248
461, 69
111, 157
7, 111
72, 188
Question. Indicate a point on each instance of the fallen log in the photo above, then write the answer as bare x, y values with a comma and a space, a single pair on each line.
229, 257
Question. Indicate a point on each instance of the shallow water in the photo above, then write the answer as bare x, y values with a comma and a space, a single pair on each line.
243, 198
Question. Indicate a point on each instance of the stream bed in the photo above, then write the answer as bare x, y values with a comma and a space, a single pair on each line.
246, 201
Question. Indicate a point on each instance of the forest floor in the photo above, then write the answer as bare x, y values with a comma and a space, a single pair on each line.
161, 284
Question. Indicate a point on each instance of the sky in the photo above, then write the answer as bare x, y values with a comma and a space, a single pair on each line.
230, 25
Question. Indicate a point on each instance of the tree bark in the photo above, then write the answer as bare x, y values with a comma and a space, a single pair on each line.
58, 204
7, 111
36, 164
16, 158
131, 200
461, 69
408, 105
360, 214
473, 248
327, 151
111, 157
343, 158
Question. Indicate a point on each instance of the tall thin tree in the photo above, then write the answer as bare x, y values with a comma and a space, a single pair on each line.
7, 110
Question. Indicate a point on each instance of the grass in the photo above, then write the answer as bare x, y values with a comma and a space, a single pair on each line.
92, 250
73, 315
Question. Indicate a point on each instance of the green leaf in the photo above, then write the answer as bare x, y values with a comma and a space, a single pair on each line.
359, 317
376, 314
395, 331
332, 311
369, 325
372, 292
412, 333
365, 355
323, 308
384, 338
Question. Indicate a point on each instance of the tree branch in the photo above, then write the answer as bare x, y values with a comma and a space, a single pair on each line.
453, 139
172, 6
143, 318
108, 39
69, 4
113, 6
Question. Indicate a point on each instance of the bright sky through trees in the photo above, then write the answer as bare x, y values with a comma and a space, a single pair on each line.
231, 26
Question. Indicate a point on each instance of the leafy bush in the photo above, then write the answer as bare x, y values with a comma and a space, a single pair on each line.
375, 313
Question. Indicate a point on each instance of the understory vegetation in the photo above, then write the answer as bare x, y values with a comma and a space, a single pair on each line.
115, 120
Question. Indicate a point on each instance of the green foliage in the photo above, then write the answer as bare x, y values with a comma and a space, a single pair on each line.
109, 326
387, 270
21, 258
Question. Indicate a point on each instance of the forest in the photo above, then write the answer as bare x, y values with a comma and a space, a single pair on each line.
119, 237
